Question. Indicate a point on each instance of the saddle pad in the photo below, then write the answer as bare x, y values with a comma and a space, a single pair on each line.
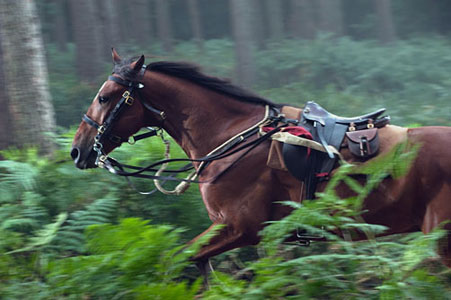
291, 112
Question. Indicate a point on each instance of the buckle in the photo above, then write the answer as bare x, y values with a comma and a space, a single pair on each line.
128, 99
100, 161
101, 129
116, 139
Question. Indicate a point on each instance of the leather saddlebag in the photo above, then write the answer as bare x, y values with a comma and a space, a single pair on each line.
363, 143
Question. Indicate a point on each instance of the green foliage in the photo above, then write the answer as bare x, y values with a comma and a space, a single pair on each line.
70, 237
58, 239
409, 78
132, 259
44, 235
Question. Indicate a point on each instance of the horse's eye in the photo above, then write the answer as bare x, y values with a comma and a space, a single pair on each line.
102, 99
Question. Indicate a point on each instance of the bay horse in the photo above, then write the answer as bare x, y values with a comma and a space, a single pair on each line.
201, 112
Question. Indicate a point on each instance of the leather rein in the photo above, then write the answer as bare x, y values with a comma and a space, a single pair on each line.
230, 147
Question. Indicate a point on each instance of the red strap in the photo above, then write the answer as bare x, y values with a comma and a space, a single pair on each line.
325, 174
294, 130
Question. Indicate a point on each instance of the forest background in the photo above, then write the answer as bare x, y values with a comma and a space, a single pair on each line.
351, 56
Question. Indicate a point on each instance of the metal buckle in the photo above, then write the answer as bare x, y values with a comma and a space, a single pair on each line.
97, 146
101, 161
101, 129
128, 99
352, 126
115, 139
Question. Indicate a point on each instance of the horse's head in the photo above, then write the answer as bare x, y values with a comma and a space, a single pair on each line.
113, 116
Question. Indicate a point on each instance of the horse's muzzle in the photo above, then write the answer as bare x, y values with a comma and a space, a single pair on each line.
83, 161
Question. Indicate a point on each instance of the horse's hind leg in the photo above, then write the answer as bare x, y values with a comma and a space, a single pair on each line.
439, 210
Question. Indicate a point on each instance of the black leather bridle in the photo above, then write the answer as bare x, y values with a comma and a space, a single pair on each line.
104, 131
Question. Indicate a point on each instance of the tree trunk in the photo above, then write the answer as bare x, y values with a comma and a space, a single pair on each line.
140, 20
242, 30
196, 24
108, 14
87, 37
302, 19
331, 16
25, 76
164, 27
275, 19
257, 21
5, 122
60, 28
385, 26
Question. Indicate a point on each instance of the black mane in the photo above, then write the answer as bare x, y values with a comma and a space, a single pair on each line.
193, 74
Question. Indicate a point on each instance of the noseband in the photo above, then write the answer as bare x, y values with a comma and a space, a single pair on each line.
127, 100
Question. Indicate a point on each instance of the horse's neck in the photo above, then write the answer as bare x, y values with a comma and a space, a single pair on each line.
198, 119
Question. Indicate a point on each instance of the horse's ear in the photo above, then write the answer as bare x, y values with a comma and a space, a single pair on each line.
116, 57
137, 65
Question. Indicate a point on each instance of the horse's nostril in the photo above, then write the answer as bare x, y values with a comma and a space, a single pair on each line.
75, 154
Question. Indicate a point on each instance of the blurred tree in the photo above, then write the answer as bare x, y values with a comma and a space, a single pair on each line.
275, 19
108, 14
25, 77
120, 20
140, 20
302, 19
60, 30
87, 37
4, 113
164, 27
196, 24
385, 26
258, 23
330, 16
241, 14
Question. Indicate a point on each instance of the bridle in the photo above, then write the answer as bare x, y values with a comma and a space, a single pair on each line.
104, 131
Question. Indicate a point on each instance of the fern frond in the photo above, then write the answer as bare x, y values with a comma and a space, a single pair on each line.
71, 237
44, 236
18, 174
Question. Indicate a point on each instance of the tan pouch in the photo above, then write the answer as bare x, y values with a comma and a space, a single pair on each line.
275, 158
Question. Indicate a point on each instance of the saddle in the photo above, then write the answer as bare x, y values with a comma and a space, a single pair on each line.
312, 166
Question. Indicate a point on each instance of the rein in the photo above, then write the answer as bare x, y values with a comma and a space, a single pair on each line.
221, 152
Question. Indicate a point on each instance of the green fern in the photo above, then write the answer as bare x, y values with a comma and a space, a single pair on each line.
44, 236
71, 236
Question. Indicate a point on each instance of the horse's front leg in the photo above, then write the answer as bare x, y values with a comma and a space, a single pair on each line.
224, 239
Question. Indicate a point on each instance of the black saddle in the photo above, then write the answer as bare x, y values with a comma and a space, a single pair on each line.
312, 166
314, 112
